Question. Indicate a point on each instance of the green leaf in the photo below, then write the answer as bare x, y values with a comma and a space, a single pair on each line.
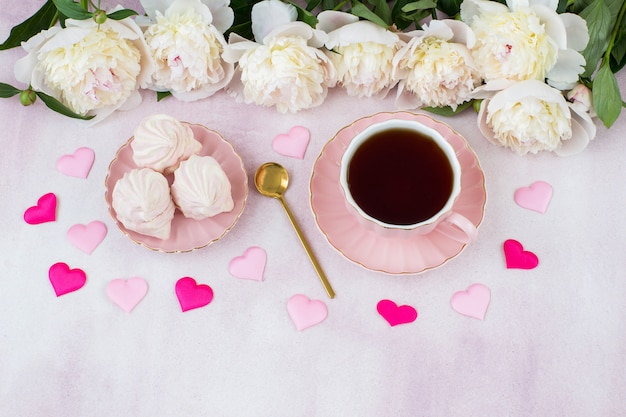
382, 10
419, 5
606, 96
361, 10
163, 95
72, 10
305, 15
41, 20
242, 24
450, 7
312, 4
57, 106
122, 14
599, 17
447, 110
7, 90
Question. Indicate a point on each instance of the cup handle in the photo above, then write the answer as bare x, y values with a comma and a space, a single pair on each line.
458, 227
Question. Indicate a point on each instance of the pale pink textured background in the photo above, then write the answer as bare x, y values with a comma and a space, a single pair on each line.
553, 342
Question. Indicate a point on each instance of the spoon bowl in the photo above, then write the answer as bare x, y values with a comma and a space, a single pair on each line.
271, 180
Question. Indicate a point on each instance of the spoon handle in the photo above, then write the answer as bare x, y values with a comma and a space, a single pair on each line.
307, 248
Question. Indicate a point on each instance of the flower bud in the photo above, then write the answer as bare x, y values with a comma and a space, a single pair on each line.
28, 97
100, 17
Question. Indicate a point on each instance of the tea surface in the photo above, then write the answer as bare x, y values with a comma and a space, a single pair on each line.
400, 176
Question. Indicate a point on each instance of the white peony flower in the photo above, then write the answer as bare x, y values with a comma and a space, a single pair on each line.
287, 70
526, 40
187, 50
435, 67
362, 53
530, 116
94, 69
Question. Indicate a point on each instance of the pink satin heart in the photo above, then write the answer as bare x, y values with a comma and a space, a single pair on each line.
472, 302
517, 258
87, 237
44, 211
127, 293
305, 312
250, 265
294, 143
192, 295
395, 314
535, 197
77, 164
65, 280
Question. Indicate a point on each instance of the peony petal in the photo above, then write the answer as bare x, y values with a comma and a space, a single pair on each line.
179, 7
472, 8
550, 4
576, 144
555, 28
439, 29
330, 20
577, 32
237, 46
406, 100
209, 89
484, 128
528, 88
223, 14
151, 6
462, 33
582, 117
564, 74
359, 32
316, 38
267, 15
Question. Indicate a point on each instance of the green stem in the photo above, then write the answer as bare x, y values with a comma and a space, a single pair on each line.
340, 5
614, 34
85, 4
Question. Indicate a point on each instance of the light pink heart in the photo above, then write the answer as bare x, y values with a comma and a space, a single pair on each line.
127, 293
294, 143
250, 265
192, 295
305, 312
472, 302
518, 258
87, 237
394, 314
44, 211
77, 164
64, 279
535, 197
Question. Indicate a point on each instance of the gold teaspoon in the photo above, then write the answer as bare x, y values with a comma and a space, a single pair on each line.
272, 179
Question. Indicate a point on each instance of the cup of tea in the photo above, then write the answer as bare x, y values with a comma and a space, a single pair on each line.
402, 178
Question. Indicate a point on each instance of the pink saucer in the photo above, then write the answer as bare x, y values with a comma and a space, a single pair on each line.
344, 231
188, 234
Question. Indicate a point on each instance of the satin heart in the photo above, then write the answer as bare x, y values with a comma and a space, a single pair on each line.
294, 143
250, 265
192, 295
395, 314
44, 211
535, 197
305, 312
65, 280
127, 293
77, 164
87, 237
517, 258
472, 302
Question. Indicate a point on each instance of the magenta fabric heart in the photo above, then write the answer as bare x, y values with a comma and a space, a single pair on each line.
305, 312
535, 197
127, 293
472, 302
394, 314
250, 265
518, 258
44, 211
87, 237
192, 295
294, 143
77, 164
64, 279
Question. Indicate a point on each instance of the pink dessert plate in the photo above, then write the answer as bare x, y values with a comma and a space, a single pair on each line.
390, 255
188, 234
